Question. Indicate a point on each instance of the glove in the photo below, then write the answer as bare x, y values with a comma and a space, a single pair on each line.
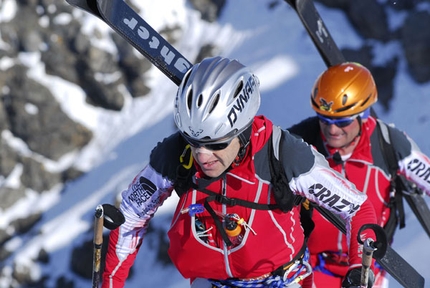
353, 279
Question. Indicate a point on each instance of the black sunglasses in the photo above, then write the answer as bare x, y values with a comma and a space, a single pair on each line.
214, 146
339, 122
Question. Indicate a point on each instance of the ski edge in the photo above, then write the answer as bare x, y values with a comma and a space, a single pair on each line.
83, 5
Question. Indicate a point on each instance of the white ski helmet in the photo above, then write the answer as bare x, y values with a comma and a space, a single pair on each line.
216, 100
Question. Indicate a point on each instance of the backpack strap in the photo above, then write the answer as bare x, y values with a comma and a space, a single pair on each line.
230, 201
281, 189
397, 215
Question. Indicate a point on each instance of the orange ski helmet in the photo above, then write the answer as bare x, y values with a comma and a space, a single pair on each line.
344, 90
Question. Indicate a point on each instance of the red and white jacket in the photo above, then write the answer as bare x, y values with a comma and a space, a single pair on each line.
366, 168
278, 236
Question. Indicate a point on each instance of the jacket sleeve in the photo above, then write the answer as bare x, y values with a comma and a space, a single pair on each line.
413, 164
146, 193
140, 201
311, 177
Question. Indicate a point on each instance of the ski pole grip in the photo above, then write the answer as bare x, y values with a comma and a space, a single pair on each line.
113, 218
380, 244
98, 225
368, 249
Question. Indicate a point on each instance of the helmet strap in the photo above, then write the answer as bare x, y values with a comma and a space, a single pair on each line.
240, 155
360, 122
245, 136
244, 140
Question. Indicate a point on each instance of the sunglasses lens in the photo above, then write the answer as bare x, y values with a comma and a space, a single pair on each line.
210, 146
340, 122
324, 121
217, 146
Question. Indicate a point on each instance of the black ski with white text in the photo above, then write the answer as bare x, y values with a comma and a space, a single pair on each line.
128, 24
396, 266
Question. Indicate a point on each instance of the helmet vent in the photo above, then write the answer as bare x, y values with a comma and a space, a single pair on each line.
200, 100
238, 89
345, 108
214, 102
367, 99
344, 99
315, 93
189, 98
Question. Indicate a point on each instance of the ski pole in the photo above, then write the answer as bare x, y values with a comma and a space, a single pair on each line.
371, 249
98, 242
110, 217
368, 248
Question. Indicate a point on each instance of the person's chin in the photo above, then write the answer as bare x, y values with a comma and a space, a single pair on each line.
212, 172
335, 140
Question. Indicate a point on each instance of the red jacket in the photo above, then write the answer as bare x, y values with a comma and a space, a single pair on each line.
366, 168
278, 236
370, 179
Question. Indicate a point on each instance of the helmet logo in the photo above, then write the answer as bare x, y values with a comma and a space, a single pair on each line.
242, 100
324, 106
195, 133
348, 68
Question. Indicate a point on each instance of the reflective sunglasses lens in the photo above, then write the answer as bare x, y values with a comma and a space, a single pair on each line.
210, 146
324, 121
341, 122
217, 146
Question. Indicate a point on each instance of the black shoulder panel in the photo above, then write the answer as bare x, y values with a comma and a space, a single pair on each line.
165, 157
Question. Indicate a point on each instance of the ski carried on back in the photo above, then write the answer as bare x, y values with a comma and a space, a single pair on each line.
128, 24
318, 32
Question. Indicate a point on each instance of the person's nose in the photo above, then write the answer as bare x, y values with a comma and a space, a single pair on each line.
203, 154
332, 128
